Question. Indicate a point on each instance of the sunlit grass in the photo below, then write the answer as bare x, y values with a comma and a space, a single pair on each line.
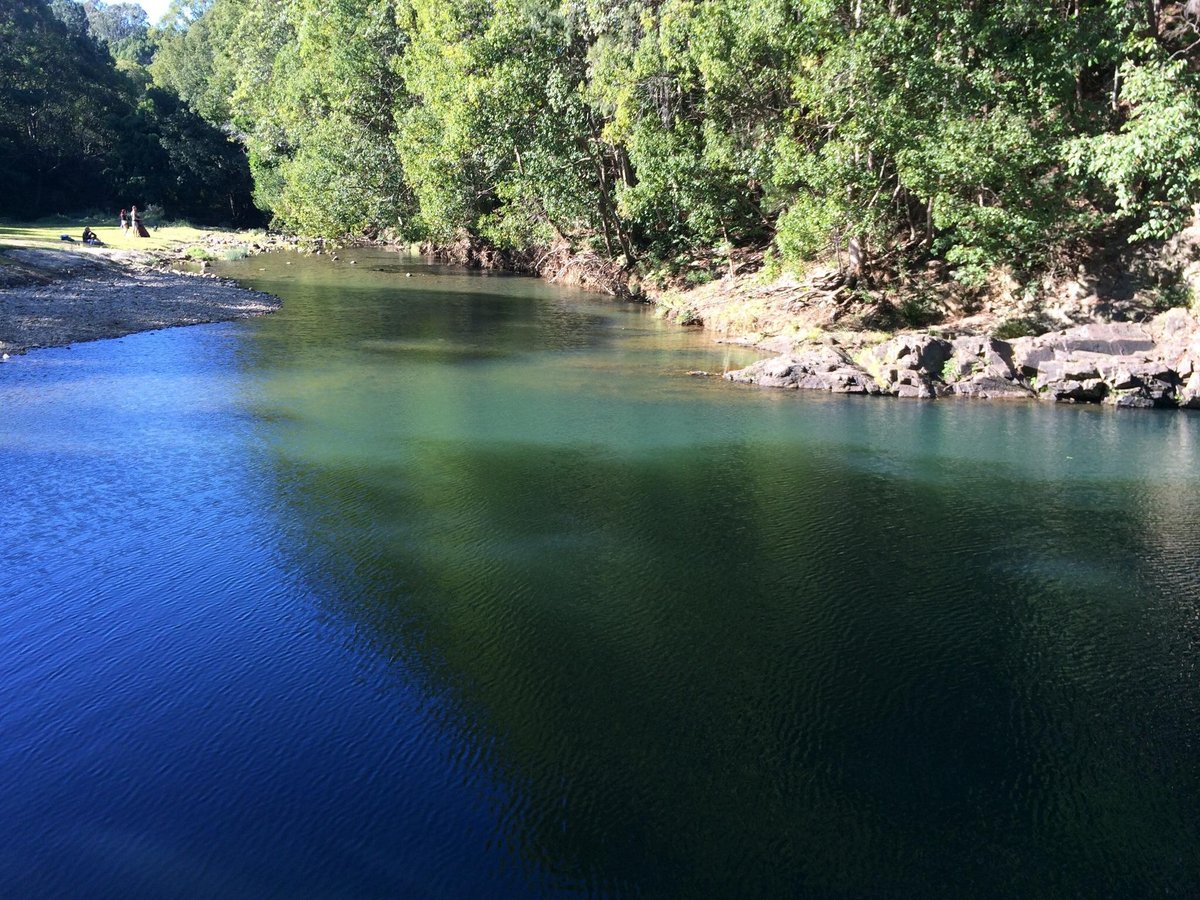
49, 235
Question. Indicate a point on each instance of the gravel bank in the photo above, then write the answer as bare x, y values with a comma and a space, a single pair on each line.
52, 298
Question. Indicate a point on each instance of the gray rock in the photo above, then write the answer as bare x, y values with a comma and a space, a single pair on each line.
908, 365
988, 387
978, 355
1083, 367
1133, 400
1112, 339
921, 352
1189, 394
1092, 390
818, 368
1129, 365
1176, 336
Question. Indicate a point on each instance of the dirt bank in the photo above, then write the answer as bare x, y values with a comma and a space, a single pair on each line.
52, 298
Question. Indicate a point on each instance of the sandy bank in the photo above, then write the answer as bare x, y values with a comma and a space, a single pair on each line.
52, 298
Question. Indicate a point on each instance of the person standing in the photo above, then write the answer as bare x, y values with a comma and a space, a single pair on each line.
123, 219
138, 228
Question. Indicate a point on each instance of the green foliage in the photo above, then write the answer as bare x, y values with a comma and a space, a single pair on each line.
804, 230
918, 311
950, 371
1151, 164
983, 134
61, 106
79, 130
772, 268
1176, 292
1010, 329
122, 27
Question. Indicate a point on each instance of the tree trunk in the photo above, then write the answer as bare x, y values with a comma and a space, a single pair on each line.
857, 256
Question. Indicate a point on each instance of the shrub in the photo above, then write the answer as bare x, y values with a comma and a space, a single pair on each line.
1015, 328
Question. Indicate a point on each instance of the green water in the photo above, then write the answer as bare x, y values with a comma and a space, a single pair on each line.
456, 585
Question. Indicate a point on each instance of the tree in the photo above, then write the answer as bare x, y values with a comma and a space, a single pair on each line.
986, 134
77, 131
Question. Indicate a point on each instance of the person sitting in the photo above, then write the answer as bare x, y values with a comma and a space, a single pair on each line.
90, 237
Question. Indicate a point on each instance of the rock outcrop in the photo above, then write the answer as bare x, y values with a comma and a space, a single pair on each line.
819, 367
1154, 364
908, 365
982, 367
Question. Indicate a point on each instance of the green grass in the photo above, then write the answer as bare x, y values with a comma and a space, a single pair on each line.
46, 234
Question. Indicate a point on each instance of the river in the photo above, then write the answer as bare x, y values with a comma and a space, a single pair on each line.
441, 584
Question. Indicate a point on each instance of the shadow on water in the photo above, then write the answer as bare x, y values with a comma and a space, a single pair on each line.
743, 671
726, 654
458, 586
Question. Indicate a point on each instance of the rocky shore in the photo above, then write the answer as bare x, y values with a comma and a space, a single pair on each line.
53, 298
1140, 365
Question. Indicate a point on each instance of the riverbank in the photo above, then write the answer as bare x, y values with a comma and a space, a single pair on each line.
54, 297
1126, 332
1098, 340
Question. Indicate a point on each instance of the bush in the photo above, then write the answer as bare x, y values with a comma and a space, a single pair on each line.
803, 231
1016, 328
1175, 293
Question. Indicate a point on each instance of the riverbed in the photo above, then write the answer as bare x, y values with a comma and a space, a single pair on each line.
444, 584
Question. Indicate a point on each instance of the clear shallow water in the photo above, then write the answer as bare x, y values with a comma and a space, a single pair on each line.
457, 586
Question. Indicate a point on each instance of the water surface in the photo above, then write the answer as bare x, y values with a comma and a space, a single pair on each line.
455, 585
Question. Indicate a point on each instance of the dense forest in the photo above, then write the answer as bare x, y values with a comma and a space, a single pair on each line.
84, 129
975, 132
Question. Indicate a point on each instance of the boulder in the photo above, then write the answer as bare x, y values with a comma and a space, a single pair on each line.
919, 352
1111, 339
1189, 394
1081, 367
821, 367
1133, 400
982, 367
1133, 365
908, 365
978, 355
988, 387
1068, 390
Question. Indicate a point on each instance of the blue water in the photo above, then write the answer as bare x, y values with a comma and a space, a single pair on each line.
460, 586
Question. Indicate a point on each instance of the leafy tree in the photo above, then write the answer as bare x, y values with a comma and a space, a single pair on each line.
78, 131
1150, 165
60, 102
988, 134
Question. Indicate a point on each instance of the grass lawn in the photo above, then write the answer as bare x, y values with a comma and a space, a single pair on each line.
40, 234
